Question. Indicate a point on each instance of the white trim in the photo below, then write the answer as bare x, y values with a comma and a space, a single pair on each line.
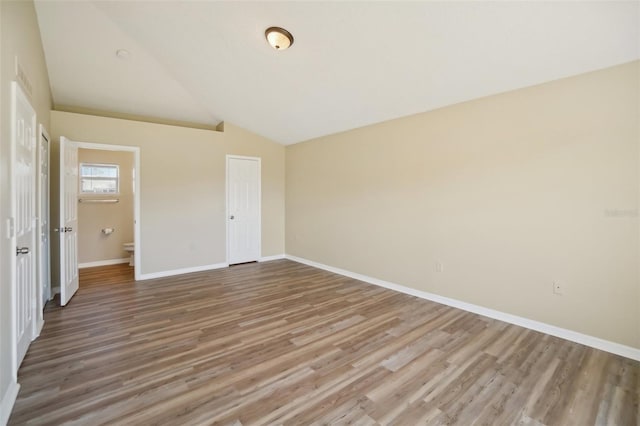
38, 328
573, 336
270, 258
6, 405
104, 146
173, 272
12, 236
137, 254
44, 292
54, 290
103, 263
226, 201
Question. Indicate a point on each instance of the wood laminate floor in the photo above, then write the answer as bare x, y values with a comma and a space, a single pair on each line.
284, 343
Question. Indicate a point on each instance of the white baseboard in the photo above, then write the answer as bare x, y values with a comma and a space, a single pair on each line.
173, 272
103, 263
54, 290
584, 339
6, 404
269, 258
39, 325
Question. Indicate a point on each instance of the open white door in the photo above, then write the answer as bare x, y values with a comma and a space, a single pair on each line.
23, 201
69, 220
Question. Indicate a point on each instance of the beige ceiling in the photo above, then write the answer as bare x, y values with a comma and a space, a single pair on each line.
352, 63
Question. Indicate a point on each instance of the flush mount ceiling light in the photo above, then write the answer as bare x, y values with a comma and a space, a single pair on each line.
123, 54
278, 38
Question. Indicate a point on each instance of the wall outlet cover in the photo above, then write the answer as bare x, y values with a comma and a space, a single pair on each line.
557, 287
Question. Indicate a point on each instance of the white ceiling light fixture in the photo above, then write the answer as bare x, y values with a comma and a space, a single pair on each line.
278, 38
123, 54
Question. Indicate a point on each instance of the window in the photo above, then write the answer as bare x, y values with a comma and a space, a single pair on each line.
99, 178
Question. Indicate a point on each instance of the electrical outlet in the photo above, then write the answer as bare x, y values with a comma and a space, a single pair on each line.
439, 267
557, 288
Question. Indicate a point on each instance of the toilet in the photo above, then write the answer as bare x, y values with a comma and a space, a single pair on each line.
129, 248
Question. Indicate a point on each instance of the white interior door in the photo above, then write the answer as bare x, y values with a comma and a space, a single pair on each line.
23, 202
243, 209
69, 220
44, 257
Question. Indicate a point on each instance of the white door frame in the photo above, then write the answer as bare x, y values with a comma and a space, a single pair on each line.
42, 292
226, 201
137, 253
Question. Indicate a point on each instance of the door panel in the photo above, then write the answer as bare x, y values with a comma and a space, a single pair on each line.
44, 271
23, 194
69, 220
243, 201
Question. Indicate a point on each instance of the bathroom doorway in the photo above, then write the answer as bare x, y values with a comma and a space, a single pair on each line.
105, 208
70, 198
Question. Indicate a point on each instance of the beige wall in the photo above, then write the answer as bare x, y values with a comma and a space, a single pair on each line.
19, 37
93, 244
508, 192
182, 179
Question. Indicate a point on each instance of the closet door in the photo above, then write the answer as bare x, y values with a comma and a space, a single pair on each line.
23, 197
243, 209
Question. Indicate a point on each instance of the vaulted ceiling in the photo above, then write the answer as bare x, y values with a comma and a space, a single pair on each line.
352, 63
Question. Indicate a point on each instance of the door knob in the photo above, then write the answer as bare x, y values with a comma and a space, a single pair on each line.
231, 217
22, 250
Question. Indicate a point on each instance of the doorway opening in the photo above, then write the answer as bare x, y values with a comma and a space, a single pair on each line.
99, 210
105, 208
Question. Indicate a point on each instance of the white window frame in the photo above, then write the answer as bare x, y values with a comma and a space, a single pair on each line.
90, 164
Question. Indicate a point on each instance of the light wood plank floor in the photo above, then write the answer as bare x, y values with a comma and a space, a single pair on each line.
284, 343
